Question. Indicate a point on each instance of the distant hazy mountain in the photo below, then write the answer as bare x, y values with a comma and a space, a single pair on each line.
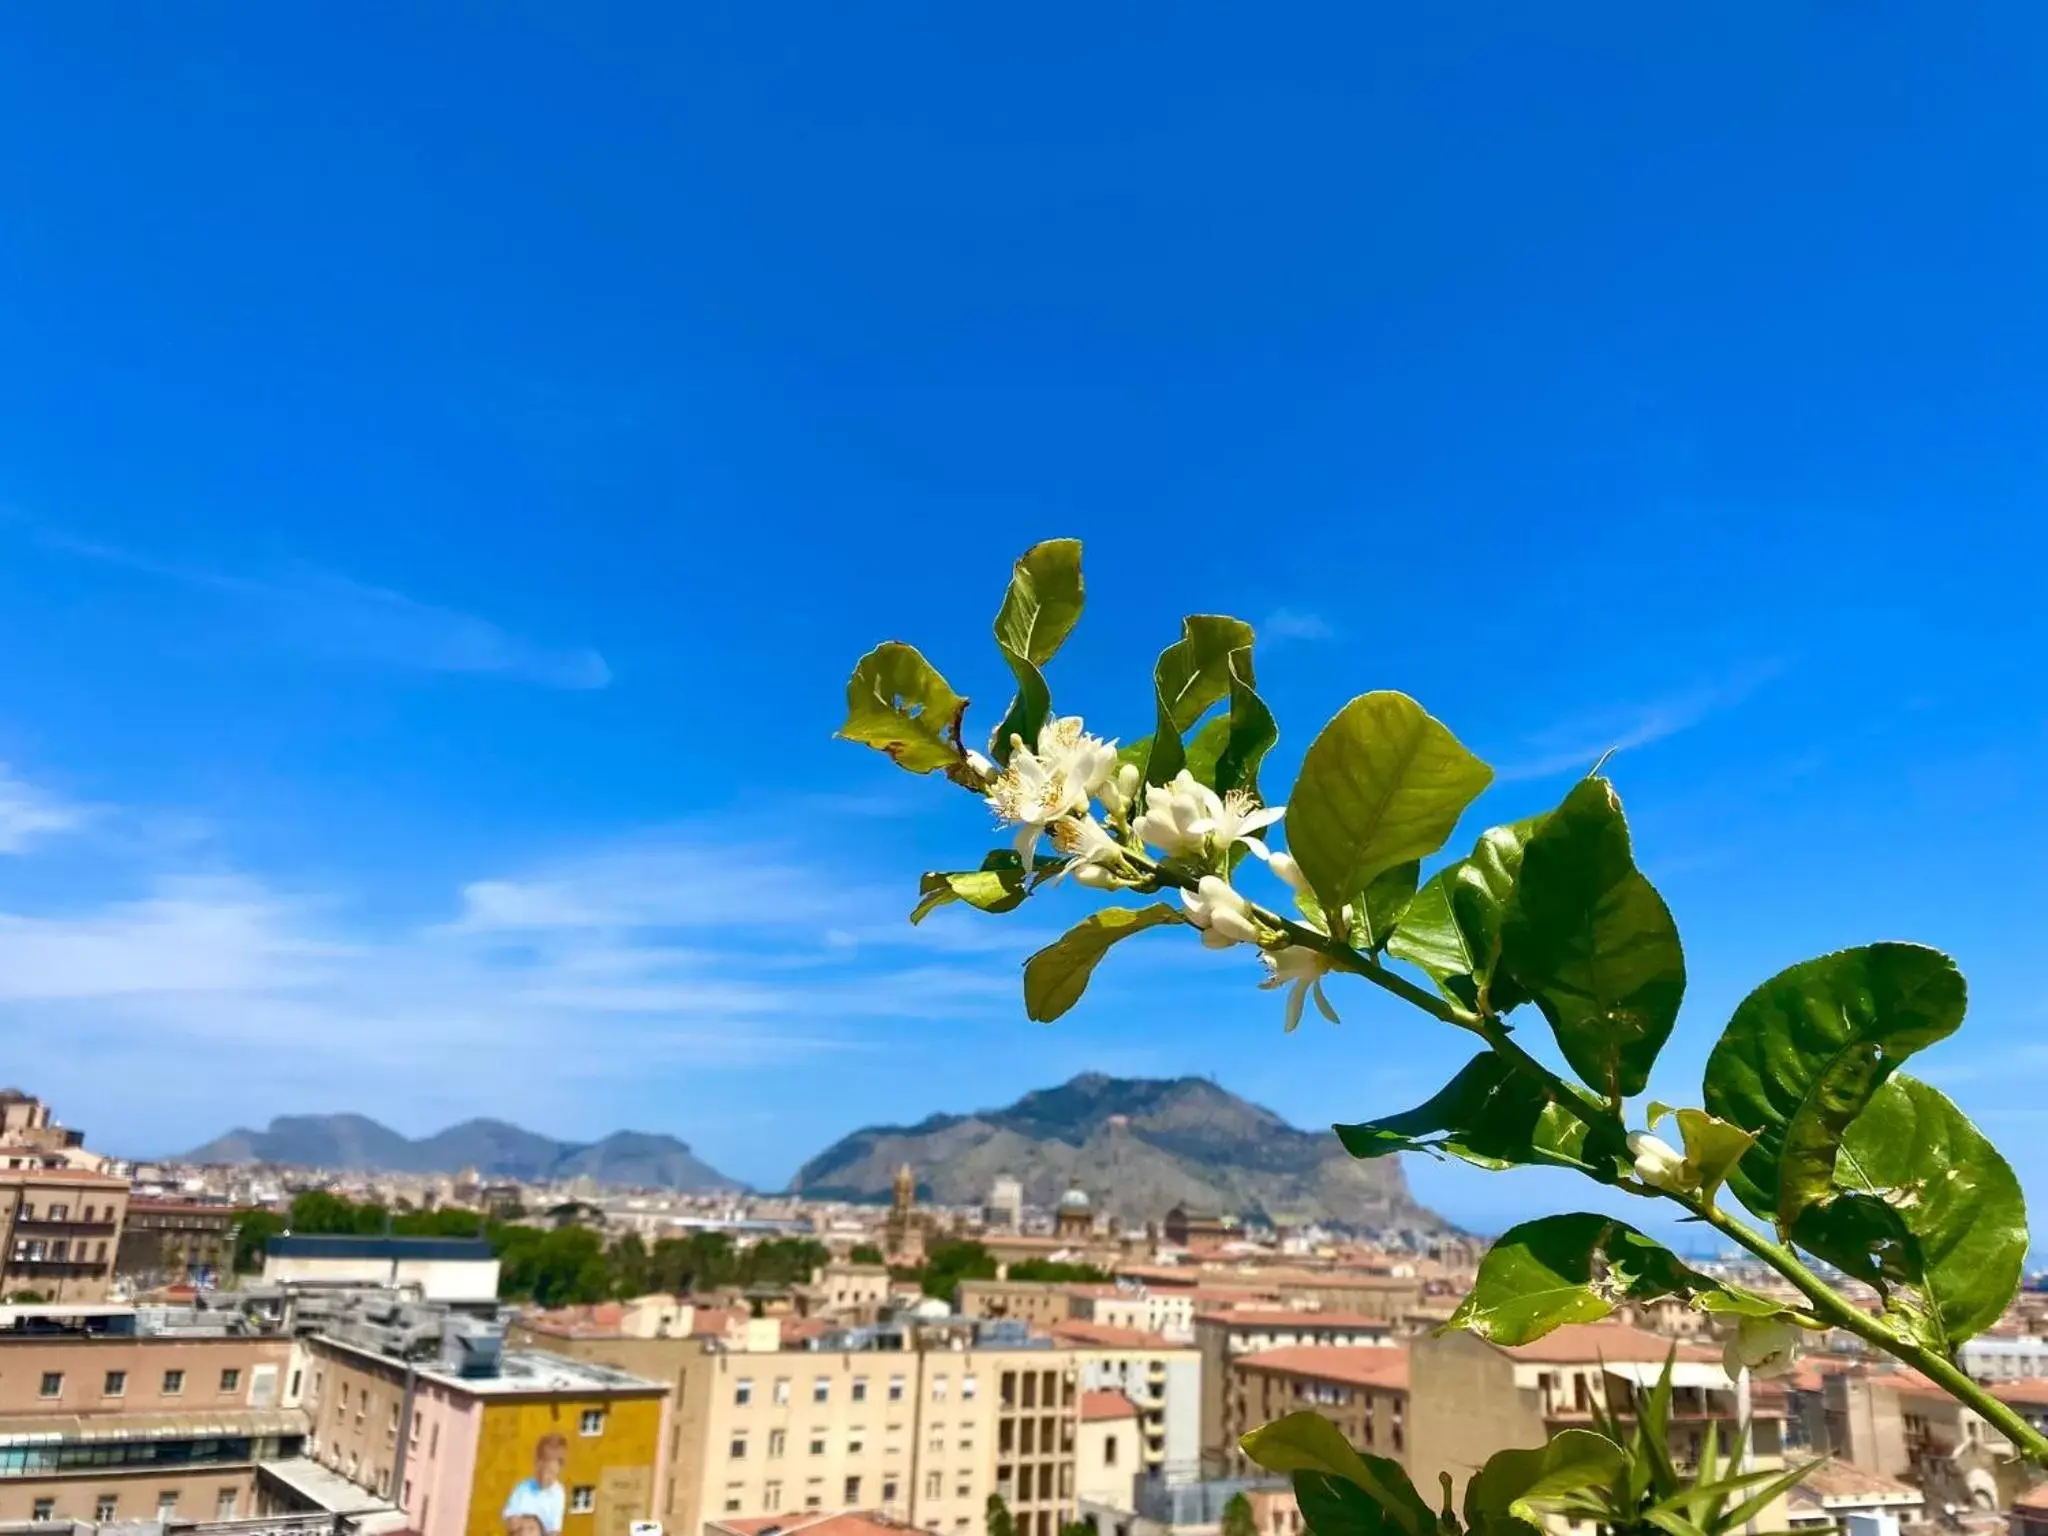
492, 1147
1138, 1146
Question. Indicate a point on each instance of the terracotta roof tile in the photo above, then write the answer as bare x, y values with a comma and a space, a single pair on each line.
1106, 1405
1360, 1365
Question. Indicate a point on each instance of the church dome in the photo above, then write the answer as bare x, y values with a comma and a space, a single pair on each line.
1074, 1200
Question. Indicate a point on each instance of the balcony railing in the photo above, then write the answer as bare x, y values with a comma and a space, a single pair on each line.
95, 1223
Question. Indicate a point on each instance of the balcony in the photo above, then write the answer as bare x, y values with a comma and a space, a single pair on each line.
40, 1223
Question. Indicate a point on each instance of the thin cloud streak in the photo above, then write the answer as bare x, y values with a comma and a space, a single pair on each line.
332, 615
29, 814
1296, 624
1576, 744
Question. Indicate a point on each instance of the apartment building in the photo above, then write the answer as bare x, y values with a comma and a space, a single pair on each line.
1897, 1423
1223, 1335
170, 1242
919, 1422
62, 1230
448, 1436
1468, 1398
1107, 1459
1163, 1378
117, 1414
1039, 1302
1169, 1313
1363, 1391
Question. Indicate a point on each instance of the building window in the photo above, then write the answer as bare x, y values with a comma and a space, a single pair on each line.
817, 1445
964, 1490
116, 1384
742, 1392
938, 1389
781, 1393
174, 1383
61, 1249
932, 1485
297, 1377
60, 1212
732, 1504
593, 1421
45, 1509
895, 1389
778, 1441
582, 1499
771, 1495
53, 1384
967, 1385
888, 1490
860, 1389
739, 1447
230, 1379
167, 1504
821, 1390
852, 1492
107, 1509
856, 1440
224, 1504
1109, 1451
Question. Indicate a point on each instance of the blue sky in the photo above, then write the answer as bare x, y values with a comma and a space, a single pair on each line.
450, 464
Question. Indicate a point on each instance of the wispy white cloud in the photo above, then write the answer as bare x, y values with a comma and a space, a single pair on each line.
332, 615
29, 814
1296, 624
650, 959
1575, 744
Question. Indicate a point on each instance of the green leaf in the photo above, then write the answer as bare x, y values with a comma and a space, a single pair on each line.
897, 703
1336, 1506
1308, 1442
1057, 975
1381, 784
1528, 1484
1493, 1116
1452, 927
1590, 939
1039, 611
998, 886
1380, 908
1192, 675
1916, 1151
1803, 1054
1578, 1268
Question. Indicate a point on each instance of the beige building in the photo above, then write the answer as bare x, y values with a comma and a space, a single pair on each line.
1897, 1424
1163, 1378
920, 1426
103, 1421
1039, 1302
1107, 1452
1168, 1313
1222, 1336
63, 1231
1363, 1391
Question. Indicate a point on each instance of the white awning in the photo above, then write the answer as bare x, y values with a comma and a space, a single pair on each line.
1684, 1373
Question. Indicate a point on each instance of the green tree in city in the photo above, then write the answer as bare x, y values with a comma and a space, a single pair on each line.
997, 1518
865, 1253
947, 1264
253, 1229
1848, 1169
1058, 1271
1237, 1517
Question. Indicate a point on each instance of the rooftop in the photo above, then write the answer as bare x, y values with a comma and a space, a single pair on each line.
334, 1247
1834, 1479
1359, 1367
1106, 1405
1076, 1333
1282, 1317
526, 1371
2032, 1391
1603, 1343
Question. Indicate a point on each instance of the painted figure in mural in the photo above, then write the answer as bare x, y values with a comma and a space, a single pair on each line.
535, 1508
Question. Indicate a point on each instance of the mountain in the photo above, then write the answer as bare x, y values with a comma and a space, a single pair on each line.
492, 1147
1138, 1146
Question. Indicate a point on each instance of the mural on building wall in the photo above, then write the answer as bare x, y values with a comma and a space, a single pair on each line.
564, 1468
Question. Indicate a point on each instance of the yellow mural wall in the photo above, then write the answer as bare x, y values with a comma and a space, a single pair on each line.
616, 1465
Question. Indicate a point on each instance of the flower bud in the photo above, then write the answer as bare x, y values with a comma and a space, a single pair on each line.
1766, 1346
1659, 1164
1283, 865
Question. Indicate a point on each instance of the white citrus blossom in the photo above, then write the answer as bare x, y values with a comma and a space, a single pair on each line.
1302, 969
1658, 1164
1040, 785
1224, 917
1766, 1346
1087, 846
1185, 817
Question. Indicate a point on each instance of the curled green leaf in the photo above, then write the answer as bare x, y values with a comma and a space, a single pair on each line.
897, 703
1057, 975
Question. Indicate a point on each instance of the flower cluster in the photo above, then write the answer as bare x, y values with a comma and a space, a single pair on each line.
1049, 789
